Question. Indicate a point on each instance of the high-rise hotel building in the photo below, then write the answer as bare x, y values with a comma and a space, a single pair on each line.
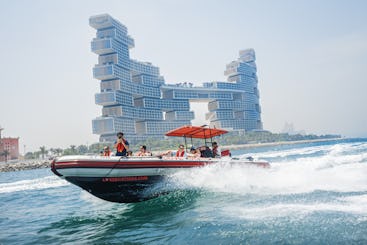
136, 100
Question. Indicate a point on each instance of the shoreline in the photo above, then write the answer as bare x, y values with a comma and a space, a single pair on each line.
36, 164
24, 165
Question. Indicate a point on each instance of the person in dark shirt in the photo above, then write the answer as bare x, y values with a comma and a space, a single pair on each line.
216, 150
206, 152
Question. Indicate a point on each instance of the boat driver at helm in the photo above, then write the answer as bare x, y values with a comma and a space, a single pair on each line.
122, 146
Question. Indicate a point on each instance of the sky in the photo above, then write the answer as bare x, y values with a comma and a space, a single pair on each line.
311, 59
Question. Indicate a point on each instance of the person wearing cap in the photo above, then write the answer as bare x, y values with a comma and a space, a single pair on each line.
121, 145
194, 153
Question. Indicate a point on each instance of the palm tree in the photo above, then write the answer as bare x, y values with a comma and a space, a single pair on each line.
29, 155
82, 149
52, 150
36, 154
43, 151
58, 151
73, 149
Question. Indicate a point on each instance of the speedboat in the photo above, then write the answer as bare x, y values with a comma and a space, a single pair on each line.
132, 179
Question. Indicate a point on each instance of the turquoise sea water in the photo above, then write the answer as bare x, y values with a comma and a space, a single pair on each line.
313, 194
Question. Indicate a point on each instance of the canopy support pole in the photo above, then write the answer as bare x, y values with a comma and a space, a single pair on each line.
211, 137
204, 136
185, 143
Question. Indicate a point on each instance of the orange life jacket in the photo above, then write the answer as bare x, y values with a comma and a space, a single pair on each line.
120, 147
180, 154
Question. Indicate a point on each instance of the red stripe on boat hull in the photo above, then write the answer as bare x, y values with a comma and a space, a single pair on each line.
145, 164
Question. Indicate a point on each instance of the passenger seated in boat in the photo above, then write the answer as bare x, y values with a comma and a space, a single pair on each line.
143, 152
165, 154
106, 151
216, 150
205, 152
129, 153
194, 153
181, 151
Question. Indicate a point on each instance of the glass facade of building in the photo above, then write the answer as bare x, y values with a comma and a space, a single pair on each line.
136, 100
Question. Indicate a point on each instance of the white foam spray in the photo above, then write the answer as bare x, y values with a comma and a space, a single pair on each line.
338, 168
33, 184
333, 171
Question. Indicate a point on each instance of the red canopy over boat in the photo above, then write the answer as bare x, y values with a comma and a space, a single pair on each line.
199, 132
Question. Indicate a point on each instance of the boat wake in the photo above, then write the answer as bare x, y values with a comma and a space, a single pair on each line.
339, 168
33, 184
299, 182
354, 205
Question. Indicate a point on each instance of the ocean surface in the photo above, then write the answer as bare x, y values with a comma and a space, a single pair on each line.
314, 193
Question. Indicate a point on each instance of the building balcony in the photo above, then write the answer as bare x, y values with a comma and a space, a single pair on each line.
113, 98
104, 21
158, 127
100, 21
112, 125
106, 98
102, 46
103, 125
226, 105
216, 115
179, 115
163, 105
103, 72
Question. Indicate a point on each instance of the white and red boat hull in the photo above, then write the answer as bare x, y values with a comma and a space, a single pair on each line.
122, 179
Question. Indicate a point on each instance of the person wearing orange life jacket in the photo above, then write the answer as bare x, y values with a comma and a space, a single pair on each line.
181, 151
122, 146
106, 151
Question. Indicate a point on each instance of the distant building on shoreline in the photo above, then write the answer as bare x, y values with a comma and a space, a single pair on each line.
137, 101
9, 148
